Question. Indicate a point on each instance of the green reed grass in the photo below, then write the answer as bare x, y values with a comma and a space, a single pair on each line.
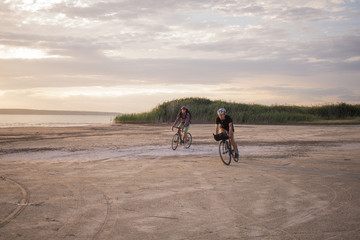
204, 111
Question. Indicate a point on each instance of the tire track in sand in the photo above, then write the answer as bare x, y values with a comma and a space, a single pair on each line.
80, 218
21, 205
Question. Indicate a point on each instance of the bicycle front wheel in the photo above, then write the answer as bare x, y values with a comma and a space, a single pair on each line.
175, 141
187, 140
225, 152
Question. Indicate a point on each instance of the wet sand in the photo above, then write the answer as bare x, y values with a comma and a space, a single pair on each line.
125, 182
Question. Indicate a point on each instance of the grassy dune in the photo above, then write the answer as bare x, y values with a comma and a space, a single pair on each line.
204, 111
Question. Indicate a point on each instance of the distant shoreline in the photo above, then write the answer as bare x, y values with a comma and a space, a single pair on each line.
53, 112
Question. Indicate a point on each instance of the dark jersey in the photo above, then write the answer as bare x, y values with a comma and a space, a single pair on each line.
225, 123
183, 118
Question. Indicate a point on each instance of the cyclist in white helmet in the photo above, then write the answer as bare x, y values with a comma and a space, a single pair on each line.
224, 124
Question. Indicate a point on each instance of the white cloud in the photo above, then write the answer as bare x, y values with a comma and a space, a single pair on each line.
23, 53
337, 1
96, 49
353, 59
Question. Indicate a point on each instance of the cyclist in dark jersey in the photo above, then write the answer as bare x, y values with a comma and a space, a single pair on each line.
184, 118
226, 125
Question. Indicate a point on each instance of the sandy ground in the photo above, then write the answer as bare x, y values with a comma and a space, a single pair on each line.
125, 182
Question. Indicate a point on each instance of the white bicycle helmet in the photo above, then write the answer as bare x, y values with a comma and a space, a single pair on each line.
221, 111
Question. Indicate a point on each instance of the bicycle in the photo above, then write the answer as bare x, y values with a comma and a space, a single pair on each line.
226, 151
177, 138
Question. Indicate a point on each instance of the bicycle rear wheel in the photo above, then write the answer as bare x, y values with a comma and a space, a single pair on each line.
225, 152
187, 140
175, 141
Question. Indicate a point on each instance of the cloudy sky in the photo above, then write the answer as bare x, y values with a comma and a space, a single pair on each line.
131, 55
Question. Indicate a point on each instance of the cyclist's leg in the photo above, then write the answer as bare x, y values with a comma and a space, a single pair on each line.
181, 125
233, 143
186, 128
185, 131
222, 130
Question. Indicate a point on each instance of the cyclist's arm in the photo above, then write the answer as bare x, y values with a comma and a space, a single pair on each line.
216, 128
187, 120
231, 131
176, 121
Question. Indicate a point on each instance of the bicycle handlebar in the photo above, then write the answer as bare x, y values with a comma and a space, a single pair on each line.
221, 136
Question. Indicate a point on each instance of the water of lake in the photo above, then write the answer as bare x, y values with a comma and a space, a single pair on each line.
18, 120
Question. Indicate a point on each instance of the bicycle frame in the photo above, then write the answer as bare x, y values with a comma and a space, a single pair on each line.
178, 138
226, 151
180, 131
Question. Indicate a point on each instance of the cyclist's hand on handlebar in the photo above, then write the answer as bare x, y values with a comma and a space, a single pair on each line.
172, 128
